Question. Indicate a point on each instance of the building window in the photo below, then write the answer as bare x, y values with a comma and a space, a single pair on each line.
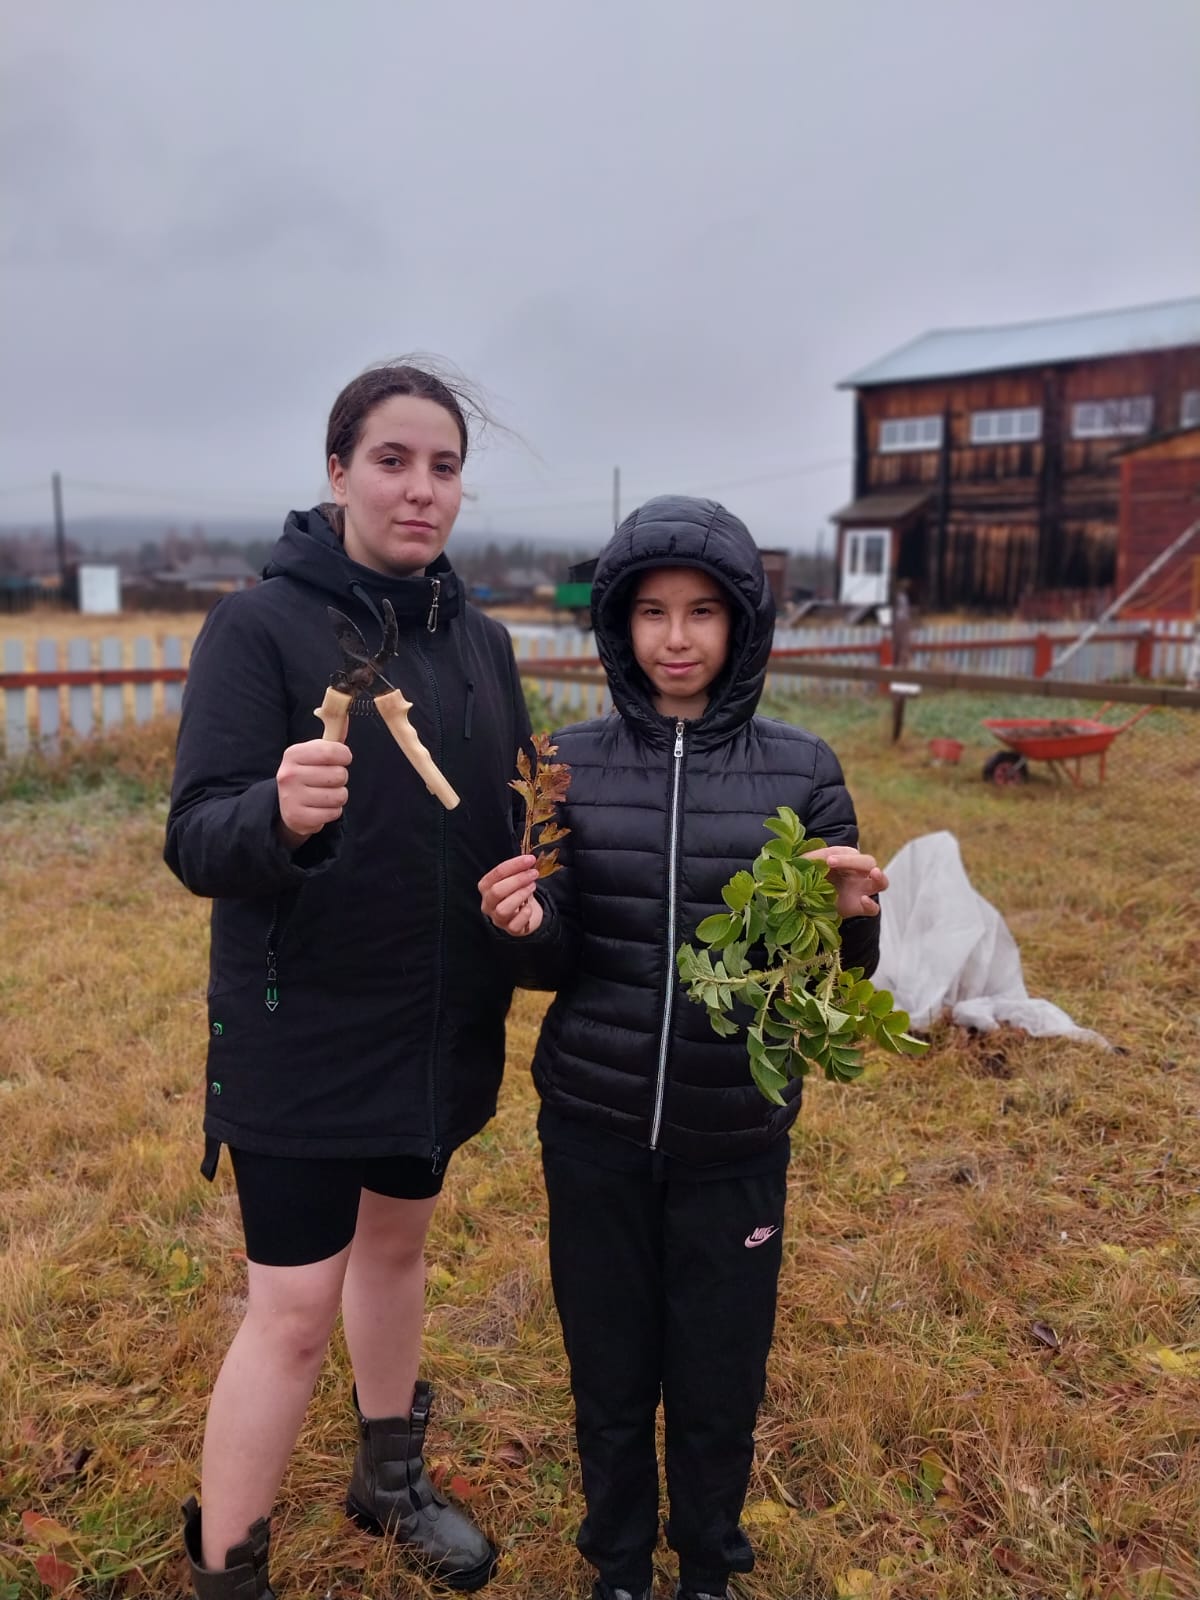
910, 433
1006, 427
873, 547
1109, 419
1189, 409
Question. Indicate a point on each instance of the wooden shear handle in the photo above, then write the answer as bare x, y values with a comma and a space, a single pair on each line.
394, 709
334, 712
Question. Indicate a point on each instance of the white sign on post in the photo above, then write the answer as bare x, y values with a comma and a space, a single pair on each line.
99, 590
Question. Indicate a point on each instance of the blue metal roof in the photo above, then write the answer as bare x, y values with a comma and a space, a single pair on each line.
953, 352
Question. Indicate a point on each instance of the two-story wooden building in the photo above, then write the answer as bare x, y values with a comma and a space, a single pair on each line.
985, 458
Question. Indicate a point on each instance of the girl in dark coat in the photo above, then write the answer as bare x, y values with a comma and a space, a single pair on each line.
356, 1005
665, 1167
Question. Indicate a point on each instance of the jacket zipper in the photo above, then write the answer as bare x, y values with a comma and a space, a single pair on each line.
271, 998
435, 701
431, 620
470, 709
664, 1040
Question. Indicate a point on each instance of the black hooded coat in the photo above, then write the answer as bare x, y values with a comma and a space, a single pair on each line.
356, 996
661, 815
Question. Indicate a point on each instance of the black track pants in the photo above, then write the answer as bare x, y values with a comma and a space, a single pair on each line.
664, 1286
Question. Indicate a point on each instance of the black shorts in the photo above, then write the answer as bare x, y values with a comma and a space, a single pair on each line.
297, 1211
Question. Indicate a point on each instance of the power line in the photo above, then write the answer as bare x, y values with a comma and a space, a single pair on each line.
489, 500
25, 488
181, 500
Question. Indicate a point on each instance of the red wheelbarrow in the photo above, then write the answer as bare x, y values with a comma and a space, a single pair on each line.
1061, 741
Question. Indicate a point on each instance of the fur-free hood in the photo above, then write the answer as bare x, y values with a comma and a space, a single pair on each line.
678, 531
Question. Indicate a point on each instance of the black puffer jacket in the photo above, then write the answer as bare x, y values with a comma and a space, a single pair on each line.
356, 1000
661, 815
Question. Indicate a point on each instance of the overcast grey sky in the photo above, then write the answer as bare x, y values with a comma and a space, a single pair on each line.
657, 232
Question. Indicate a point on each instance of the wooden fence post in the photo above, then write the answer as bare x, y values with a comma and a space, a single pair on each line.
172, 656
79, 695
1143, 654
885, 660
112, 696
16, 712
143, 693
1043, 654
46, 660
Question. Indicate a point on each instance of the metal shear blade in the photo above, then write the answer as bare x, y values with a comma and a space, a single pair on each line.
361, 671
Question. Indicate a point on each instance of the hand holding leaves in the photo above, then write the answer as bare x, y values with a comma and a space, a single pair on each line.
542, 784
807, 1010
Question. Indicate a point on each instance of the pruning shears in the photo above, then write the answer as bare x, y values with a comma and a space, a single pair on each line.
361, 674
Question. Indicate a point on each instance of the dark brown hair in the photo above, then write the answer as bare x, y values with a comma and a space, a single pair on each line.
381, 382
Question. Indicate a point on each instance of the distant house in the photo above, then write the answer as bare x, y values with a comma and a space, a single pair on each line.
985, 459
209, 574
528, 583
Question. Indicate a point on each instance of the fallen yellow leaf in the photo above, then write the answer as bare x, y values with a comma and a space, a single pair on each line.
1166, 1359
44, 1530
765, 1511
861, 1584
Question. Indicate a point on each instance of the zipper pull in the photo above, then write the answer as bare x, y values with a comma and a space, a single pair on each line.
678, 739
436, 1160
272, 995
431, 619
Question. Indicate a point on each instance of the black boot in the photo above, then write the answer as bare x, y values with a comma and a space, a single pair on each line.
244, 1575
390, 1492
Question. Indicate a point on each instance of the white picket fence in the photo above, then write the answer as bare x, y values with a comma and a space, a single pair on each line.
997, 648
100, 682
117, 680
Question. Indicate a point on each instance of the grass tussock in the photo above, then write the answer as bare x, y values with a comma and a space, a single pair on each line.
125, 767
986, 1378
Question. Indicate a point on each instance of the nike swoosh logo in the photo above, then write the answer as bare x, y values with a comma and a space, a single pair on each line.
760, 1236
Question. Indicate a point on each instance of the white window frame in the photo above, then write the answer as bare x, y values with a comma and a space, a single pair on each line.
1189, 408
874, 555
1116, 418
900, 434
1014, 425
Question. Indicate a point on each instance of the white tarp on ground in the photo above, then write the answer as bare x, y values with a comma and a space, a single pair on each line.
943, 947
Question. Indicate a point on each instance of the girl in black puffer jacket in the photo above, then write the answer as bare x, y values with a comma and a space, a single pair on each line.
665, 1168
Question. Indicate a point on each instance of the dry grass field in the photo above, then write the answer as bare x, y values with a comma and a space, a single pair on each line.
986, 1381
55, 624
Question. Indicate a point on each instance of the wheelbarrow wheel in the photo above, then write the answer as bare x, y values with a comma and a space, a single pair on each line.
1005, 767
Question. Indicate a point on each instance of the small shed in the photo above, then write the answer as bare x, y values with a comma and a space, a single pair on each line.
98, 589
876, 549
1160, 497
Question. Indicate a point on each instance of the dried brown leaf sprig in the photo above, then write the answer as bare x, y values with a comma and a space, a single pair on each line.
543, 785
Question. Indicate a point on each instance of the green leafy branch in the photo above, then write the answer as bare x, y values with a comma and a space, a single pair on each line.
808, 1010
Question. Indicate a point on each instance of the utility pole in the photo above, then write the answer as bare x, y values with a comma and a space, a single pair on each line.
616, 497
60, 532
